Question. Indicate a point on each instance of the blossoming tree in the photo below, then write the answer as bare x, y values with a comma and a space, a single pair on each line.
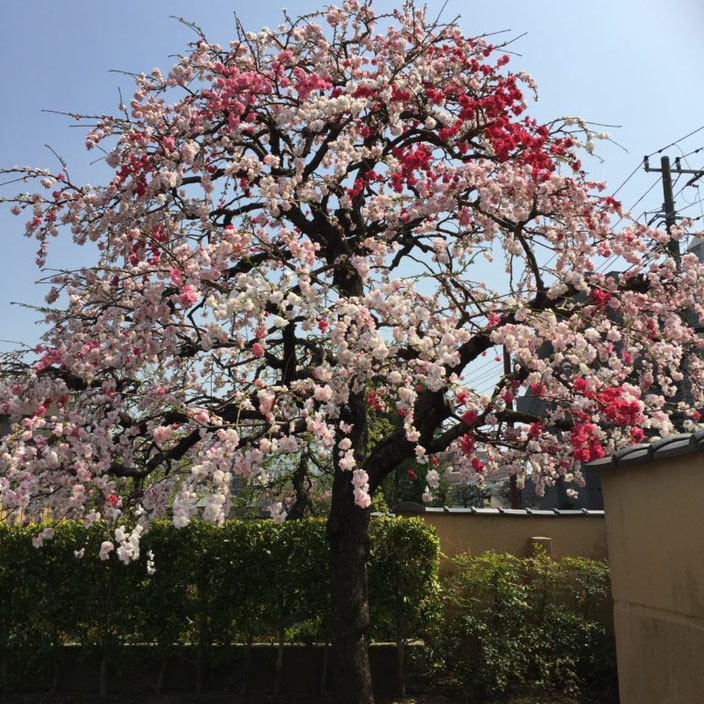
295, 232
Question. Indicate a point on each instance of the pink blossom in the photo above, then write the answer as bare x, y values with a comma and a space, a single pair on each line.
106, 547
266, 401
201, 415
162, 433
188, 295
176, 277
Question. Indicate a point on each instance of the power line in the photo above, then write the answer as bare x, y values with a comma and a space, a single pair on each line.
655, 183
690, 205
689, 183
482, 378
477, 378
623, 183
482, 366
614, 257
672, 144
694, 151
628, 178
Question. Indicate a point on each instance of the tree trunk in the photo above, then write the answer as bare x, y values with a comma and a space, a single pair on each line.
103, 676
3, 666
400, 646
279, 679
203, 636
246, 664
349, 546
160, 675
324, 672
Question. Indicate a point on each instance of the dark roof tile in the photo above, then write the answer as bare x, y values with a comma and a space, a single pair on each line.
524, 512
673, 446
634, 454
661, 449
604, 463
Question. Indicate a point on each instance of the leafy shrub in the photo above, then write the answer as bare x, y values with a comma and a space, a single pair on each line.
527, 626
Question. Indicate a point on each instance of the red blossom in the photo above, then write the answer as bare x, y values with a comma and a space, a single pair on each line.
493, 320
586, 445
617, 409
535, 430
600, 297
374, 400
637, 435
470, 417
468, 444
581, 386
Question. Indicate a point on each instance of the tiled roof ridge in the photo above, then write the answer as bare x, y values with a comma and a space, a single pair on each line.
413, 507
672, 446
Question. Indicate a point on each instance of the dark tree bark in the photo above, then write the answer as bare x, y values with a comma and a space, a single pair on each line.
349, 547
302, 503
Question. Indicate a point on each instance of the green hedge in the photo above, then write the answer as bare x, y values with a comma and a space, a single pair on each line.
499, 625
527, 626
250, 581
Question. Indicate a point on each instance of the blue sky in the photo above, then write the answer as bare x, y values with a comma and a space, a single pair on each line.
634, 63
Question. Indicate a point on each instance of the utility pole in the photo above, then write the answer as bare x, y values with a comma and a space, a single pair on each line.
668, 198
683, 387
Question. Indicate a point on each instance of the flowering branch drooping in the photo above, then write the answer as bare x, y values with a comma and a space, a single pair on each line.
295, 233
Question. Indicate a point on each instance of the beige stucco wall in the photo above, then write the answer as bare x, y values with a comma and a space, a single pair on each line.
655, 534
575, 536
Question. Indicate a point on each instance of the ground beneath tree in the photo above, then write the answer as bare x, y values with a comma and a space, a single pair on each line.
449, 698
